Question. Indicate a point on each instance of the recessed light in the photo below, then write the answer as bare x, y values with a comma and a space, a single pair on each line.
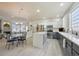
38, 10
61, 4
17, 23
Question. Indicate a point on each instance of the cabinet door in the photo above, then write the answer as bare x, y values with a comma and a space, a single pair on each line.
68, 48
75, 49
54, 35
61, 42
68, 42
74, 53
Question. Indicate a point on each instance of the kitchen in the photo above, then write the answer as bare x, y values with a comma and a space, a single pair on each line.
35, 26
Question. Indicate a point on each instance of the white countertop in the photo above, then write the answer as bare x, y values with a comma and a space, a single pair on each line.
71, 37
40, 32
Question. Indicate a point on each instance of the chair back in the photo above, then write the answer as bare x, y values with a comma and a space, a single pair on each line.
24, 35
8, 37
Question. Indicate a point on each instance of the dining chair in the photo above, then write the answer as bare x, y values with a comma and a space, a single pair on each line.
10, 41
22, 39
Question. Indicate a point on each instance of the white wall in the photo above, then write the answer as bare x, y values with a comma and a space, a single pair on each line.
66, 22
55, 22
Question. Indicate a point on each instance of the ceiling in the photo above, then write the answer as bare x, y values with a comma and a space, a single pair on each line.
27, 10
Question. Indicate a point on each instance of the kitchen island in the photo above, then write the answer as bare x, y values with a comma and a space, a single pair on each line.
39, 38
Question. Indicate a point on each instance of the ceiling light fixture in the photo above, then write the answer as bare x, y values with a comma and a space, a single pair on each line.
61, 4
37, 10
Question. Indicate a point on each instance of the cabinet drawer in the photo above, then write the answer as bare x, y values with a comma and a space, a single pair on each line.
76, 48
75, 54
68, 42
68, 50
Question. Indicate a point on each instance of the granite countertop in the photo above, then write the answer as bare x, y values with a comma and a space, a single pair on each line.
71, 37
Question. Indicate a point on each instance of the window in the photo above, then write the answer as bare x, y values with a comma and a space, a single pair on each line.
75, 19
18, 27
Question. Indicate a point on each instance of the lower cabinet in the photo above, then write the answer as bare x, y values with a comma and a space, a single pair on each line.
75, 54
61, 42
56, 35
75, 50
68, 48
71, 49
68, 51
